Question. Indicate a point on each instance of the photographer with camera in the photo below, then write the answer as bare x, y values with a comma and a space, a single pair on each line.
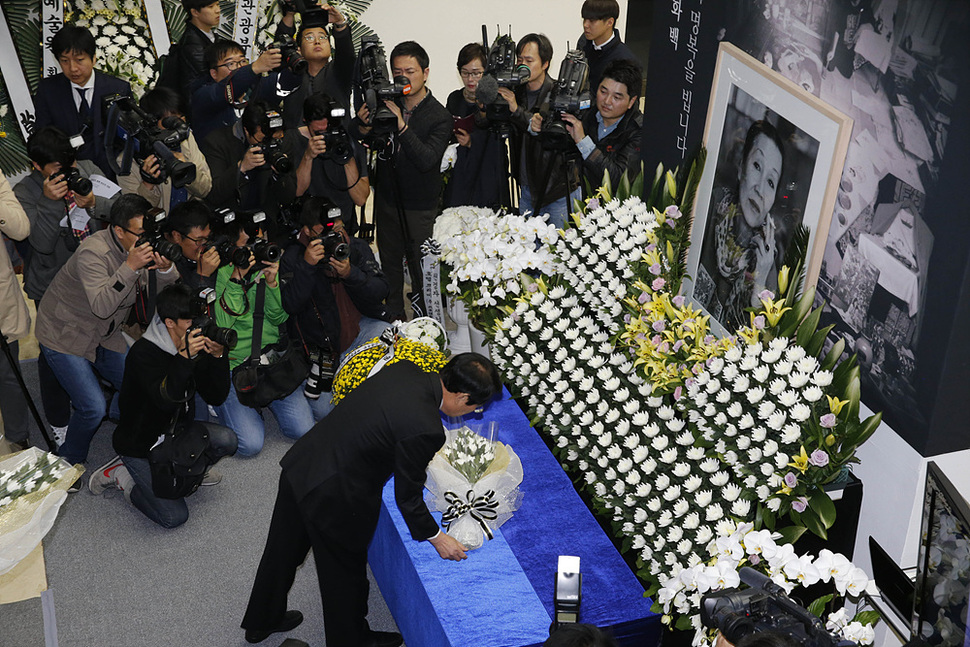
233, 81
323, 74
254, 269
165, 369
59, 201
189, 227
252, 164
332, 165
71, 100
334, 291
79, 319
408, 179
609, 137
546, 185
479, 176
152, 180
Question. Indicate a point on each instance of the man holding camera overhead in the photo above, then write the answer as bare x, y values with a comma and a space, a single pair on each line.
409, 180
333, 78
252, 164
332, 165
79, 319
334, 291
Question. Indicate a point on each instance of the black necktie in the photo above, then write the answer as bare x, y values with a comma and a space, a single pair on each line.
84, 110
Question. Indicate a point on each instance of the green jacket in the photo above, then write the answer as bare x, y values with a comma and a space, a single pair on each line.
232, 296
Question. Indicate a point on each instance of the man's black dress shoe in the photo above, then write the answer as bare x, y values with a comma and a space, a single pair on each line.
382, 639
291, 620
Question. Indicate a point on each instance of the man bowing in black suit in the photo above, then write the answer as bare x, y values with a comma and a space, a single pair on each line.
330, 493
72, 99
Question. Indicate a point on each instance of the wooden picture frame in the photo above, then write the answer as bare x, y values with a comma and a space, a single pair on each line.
775, 158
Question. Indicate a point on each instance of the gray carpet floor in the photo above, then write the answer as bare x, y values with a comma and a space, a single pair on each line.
118, 579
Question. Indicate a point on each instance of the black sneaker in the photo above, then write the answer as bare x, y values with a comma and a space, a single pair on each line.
76, 486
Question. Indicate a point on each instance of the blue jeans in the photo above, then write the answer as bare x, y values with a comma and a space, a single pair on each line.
558, 210
369, 328
292, 413
171, 513
79, 377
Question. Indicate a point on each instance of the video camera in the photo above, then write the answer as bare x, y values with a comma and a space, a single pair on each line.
373, 82
137, 135
272, 147
570, 95
501, 71
75, 181
199, 309
153, 225
764, 607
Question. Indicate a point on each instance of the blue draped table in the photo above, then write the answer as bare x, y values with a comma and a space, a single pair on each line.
502, 595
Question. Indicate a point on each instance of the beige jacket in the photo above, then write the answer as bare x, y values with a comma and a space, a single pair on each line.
90, 297
14, 317
160, 195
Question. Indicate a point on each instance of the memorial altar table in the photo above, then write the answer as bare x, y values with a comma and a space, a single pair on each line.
503, 594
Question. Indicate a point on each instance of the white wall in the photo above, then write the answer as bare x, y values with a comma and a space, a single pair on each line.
443, 27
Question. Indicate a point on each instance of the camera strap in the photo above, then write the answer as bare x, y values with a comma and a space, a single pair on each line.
257, 345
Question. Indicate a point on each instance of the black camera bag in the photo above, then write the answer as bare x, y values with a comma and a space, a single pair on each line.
259, 384
179, 462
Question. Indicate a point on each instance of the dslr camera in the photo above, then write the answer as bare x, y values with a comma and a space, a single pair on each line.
764, 607
339, 148
153, 224
569, 94
292, 59
272, 147
199, 309
137, 135
373, 82
75, 181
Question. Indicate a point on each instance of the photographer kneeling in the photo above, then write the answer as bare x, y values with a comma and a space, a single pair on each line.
248, 293
164, 369
609, 138
334, 291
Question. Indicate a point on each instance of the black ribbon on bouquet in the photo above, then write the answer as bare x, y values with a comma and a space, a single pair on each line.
481, 508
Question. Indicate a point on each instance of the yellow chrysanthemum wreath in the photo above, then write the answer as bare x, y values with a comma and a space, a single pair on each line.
358, 366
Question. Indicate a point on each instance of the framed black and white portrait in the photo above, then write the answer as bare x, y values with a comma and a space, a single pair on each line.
775, 156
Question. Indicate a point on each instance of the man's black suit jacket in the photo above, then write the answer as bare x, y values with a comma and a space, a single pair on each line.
388, 425
54, 106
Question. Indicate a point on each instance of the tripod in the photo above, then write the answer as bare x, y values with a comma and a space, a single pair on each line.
15, 366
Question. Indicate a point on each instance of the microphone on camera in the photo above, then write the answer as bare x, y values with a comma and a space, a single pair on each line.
487, 90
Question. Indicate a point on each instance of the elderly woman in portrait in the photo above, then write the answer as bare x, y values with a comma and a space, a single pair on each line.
745, 241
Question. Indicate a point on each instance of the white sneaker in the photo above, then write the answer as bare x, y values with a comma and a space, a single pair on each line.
59, 434
105, 476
